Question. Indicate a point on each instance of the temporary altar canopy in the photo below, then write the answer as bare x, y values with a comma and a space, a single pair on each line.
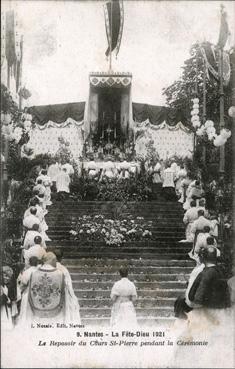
168, 128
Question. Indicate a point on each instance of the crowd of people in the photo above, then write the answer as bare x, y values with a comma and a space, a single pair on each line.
44, 287
41, 287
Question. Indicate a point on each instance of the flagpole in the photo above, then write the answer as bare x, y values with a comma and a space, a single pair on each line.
21, 71
232, 58
204, 109
111, 38
222, 123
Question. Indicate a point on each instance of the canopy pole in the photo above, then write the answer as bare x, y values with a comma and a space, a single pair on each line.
111, 38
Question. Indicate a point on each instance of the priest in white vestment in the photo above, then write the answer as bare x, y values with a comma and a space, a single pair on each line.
123, 295
36, 250
39, 188
63, 182
72, 306
69, 168
189, 217
30, 236
108, 170
168, 186
30, 219
46, 181
53, 171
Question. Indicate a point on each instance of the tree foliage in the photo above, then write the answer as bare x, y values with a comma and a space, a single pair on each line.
179, 93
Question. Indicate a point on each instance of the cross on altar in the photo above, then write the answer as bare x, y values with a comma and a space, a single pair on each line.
109, 131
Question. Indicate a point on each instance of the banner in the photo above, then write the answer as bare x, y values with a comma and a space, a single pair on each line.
114, 19
212, 55
224, 30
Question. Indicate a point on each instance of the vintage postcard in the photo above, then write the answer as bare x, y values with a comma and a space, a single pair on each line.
117, 170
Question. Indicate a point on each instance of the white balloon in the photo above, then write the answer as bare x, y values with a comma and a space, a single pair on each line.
196, 124
195, 106
195, 118
209, 123
199, 132
225, 133
195, 100
219, 141
231, 111
210, 130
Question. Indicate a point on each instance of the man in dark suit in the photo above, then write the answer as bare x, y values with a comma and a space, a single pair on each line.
210, 289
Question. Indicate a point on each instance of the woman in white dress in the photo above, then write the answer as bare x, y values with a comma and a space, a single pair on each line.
123, 295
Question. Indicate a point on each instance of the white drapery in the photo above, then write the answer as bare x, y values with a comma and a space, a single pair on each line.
168, 140
44, 139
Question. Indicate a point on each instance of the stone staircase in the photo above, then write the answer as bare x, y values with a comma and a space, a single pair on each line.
158, 268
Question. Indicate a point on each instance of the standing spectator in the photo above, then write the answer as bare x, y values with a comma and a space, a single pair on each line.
123, 295
210, 295
6, 303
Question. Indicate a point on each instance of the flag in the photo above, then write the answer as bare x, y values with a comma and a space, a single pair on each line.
114, 19
211, 55
19, 66
25, 93
224, 30
10, 38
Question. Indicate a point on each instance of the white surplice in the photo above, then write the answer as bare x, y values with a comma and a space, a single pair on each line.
72, 306
62, 182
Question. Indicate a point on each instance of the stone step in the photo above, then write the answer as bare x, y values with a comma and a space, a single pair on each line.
157, 293
149, 321
125, 249
106, 312
121, 255
107, 285
139, 270
132, 262
87, 277
158, 243
140, 302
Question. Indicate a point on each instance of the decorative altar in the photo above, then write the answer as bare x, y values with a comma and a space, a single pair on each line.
108, 124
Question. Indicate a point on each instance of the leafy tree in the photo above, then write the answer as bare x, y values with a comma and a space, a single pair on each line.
179, 93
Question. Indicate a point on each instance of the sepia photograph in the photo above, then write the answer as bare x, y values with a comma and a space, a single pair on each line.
117, 184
